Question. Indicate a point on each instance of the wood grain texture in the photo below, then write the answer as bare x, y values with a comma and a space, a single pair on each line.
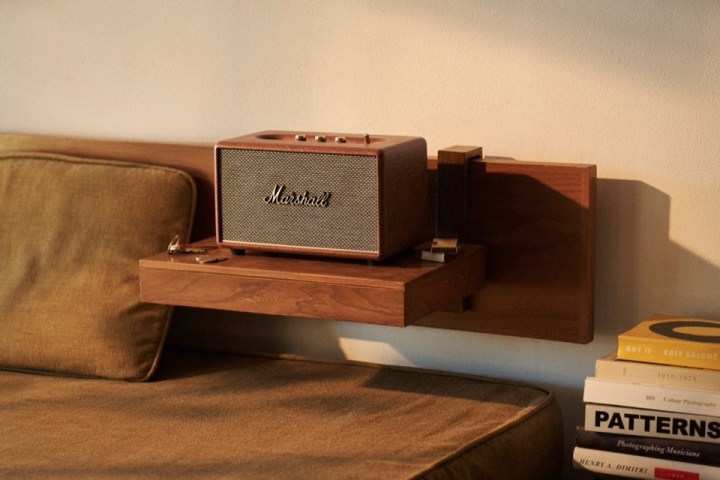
537, 221
396, 293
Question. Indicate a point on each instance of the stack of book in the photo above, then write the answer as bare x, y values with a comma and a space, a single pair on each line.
652, 409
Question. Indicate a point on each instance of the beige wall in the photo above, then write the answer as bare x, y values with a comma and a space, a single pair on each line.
629, 86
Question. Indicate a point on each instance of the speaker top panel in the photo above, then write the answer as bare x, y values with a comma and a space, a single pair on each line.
340, 143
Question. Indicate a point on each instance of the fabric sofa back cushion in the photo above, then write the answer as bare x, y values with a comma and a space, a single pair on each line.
73, 231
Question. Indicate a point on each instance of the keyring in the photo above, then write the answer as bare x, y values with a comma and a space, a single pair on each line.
175, 247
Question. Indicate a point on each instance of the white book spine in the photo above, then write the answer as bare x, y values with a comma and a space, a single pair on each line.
638, 395
651, 423
637, 466
654, 373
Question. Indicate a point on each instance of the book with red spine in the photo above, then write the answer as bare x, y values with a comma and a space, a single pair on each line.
640, 466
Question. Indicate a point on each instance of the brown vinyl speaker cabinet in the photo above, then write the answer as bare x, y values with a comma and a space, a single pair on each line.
326, 194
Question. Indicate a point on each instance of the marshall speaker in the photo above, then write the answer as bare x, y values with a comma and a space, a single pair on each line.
338, 195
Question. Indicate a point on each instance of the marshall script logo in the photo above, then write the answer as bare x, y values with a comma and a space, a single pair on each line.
280, 197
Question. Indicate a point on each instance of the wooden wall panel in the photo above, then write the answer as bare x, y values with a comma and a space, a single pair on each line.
537, 221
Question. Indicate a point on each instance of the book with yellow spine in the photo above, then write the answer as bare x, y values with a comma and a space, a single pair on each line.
687, 342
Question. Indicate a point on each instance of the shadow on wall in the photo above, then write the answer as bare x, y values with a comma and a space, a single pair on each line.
640, 270
233, 332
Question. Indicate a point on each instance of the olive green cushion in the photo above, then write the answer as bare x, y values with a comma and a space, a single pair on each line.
73, 231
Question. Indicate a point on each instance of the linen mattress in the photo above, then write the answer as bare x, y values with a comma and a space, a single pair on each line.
208, 415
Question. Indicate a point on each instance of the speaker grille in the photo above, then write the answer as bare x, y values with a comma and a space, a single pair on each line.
247, 178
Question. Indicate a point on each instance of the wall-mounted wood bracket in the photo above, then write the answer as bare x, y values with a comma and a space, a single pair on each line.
451, 200
452, 190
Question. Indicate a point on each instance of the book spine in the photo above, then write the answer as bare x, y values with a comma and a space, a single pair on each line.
657, 374
669, 352
662, 448
654, 397
637, 466
651, 423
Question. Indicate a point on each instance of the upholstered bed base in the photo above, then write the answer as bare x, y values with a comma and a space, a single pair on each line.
231, 416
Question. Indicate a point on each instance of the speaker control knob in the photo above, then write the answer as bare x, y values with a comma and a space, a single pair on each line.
300, 138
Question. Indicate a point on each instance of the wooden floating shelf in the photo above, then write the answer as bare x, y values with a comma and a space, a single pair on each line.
396, 293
